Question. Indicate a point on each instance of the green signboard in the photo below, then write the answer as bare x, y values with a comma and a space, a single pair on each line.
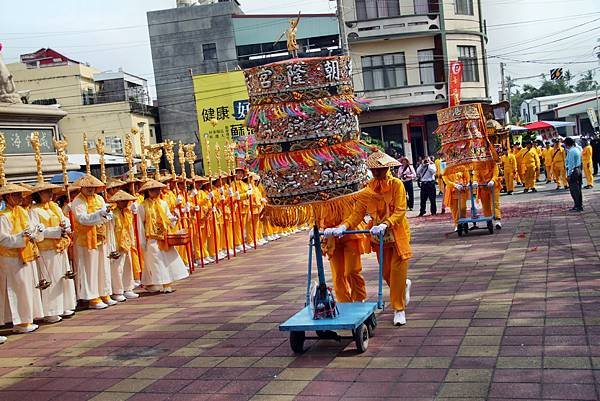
17, 140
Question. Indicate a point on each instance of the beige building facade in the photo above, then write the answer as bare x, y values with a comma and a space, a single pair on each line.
106, 105
400, 51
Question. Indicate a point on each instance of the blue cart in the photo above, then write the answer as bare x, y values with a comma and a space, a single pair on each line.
463, 222
359, 317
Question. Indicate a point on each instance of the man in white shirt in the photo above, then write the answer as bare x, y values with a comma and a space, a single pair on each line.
426, 176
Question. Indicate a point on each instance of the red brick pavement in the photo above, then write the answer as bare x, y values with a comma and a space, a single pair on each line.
507, 316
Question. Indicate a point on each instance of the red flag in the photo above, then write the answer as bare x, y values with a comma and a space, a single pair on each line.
454, 83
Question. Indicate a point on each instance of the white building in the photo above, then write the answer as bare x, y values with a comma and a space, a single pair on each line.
401, 51
575, 111
530, 108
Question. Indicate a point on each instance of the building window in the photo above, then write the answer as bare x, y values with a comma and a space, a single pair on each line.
384, 71
426, 66
534, 110
372, 9
209, 50
468, 56
552, 106
421, 6
463, 7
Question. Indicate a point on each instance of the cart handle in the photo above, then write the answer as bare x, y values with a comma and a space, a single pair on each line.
380, 284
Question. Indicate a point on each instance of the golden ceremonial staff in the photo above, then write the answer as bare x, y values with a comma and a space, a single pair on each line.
213, 209
251, 190
189, 247
43, 283
231, 159
222, 193
100, 150
190, 157
231, 195
143, 165
61, 147
86, 154
131, 179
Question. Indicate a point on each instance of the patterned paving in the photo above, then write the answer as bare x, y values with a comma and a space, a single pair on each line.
509, 316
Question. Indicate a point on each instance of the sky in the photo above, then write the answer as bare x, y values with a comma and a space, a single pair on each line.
530, 36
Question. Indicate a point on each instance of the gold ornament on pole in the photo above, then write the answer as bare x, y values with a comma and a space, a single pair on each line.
155, 154
61, 147
143, 165
100, 150
169, 147
37, 150
181, 159
2, 159
208, 156
129, 156
86, 154
190, 157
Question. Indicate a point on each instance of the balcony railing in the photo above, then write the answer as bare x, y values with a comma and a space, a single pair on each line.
401, 25
406, 95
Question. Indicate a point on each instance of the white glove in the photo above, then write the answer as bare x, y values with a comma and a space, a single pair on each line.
475, 185
209, 195
490, 184
248, 193
214, 209
327, 233
173, 220
339, 231
133, 208
264, 200
250, 187
185, 209
197, 208
237, 196
221, 190
194, 192
179, 200
39, 228
311, 233
380, 229
458, 187
230, 193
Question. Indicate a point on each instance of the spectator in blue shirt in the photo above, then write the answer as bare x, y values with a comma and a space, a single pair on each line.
573, 164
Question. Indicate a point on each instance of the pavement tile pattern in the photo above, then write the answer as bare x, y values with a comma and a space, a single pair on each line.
509, 316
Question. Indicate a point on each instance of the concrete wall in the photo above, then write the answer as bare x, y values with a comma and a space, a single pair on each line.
176, 39
64, 83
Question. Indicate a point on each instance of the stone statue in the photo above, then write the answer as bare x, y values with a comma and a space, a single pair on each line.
8, 90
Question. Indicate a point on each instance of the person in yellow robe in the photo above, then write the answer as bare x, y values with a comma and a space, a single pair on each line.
518, 152
547, 156
488, 192
531, 164
558, 165
384, 199
457, 192
239, 186
509, 167
21, 301
586, 161
122, 241
255, 224
200, 214
537, 146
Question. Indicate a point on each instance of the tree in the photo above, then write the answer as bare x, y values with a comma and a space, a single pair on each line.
586, 83
547, 88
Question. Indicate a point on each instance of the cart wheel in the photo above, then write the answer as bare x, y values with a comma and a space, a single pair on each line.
361, 338
371, 325
490, 227
297, 341
459, 230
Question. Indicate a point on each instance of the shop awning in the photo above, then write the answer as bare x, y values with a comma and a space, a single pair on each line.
516, 128
539, 125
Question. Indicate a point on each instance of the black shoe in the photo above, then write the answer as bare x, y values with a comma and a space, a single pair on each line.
566, 188
421, 215
588, 187
526, 190
548, 181
510, 192
433, 214
580, 209
443, 210
575, 209
533, 190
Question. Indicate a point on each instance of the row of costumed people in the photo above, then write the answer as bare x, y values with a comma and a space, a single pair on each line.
110, 258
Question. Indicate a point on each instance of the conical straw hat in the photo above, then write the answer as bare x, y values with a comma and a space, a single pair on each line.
12, 188
381, 160
42, 186
151, 184
89, 181
122, 196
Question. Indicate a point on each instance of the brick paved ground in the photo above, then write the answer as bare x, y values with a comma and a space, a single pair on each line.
509, 316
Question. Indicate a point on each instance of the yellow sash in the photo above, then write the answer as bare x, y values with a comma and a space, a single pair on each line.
50, 215
19, 220
89, 236
156, 225
123, 224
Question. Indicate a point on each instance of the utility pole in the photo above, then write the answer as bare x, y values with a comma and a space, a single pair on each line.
340, 17
503, 90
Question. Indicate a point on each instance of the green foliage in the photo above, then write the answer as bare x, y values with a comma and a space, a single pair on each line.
551, 88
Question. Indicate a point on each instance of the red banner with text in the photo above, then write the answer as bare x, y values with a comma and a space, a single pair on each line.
455, 82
